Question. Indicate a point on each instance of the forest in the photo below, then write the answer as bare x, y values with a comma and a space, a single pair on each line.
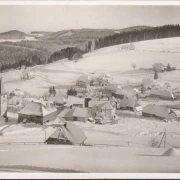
159, 32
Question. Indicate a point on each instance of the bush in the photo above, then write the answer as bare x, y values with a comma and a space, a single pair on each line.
153, 142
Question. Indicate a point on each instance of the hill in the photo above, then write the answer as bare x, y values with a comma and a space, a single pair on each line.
13, 34
135, 28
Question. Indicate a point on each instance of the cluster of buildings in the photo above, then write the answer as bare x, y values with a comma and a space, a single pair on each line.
98, 101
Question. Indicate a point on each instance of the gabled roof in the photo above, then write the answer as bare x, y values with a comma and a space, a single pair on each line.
158, 110
161, 93
126, 92
130, 102
173, 106
105, 105
66, 113
93, 102
70, 132
75, 100
80, 112
34, 108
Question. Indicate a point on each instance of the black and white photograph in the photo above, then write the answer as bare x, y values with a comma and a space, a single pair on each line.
89, 88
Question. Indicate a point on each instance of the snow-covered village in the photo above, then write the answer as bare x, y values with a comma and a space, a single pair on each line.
91, 100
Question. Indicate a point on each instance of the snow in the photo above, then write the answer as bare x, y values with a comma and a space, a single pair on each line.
27, 38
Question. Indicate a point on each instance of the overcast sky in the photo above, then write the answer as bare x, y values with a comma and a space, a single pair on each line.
58, 17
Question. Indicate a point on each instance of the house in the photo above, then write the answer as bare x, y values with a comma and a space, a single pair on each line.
158, 111
83, 81
103, 79
67, 114
57, 100
130, 104
36, 100
16, 92
162, 94
124, 93
27, 74
16, 101
102, 109
159, 67
114, 87
80, 114
36, 112
75, 114
69, 134
73, 102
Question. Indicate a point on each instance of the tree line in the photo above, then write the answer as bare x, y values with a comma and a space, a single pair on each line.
139, 35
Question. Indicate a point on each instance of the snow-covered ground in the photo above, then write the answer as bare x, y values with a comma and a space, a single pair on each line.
111, 60
90, 159
27, 38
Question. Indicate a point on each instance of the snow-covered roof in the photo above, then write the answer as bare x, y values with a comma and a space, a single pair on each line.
35, 108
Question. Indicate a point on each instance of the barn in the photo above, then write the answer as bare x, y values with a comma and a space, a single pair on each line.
158, 111
162, 94
36, 112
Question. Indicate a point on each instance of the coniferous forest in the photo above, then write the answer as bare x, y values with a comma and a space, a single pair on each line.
159, 32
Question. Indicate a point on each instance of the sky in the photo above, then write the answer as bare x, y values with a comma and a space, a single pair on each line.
29, 18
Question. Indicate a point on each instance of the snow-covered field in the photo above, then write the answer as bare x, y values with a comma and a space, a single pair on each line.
109, 59
90, 159
27, 38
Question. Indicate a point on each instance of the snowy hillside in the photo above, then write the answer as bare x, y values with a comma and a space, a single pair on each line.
146, 53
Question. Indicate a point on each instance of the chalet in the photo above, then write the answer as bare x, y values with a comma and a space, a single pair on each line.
83, 81
102, 109
162, 94
130, 104
36, 112
69, 134
159, 67
158, 111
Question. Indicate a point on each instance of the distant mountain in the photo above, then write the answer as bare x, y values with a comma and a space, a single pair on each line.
86, 33
135, 28
13, 34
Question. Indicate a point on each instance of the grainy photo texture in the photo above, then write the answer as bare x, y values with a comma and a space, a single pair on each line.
89, 88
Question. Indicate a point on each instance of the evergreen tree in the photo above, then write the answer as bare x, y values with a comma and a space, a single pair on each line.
168, 67
155, 75
142, 89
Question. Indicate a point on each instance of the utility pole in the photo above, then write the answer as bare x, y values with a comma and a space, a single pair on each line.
165, 138
45, 134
